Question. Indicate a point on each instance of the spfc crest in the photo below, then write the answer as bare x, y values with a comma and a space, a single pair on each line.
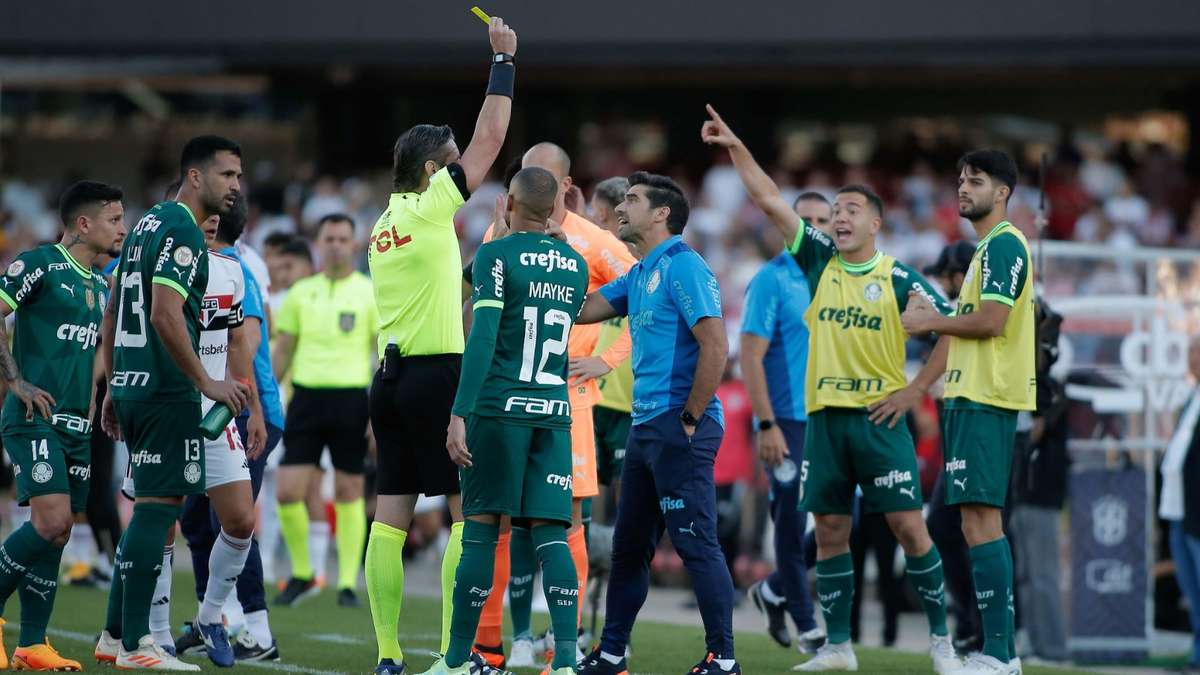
346, 321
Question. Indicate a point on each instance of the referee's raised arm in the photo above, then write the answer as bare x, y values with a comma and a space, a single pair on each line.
416, 273
492, 124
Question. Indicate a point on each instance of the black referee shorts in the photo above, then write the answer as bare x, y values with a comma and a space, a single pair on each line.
317, 418
410, 411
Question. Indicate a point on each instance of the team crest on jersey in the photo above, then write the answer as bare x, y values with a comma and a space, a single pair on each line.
873, 292
653, 282
183, 256
16, 268
346, 321
42, 472
191, 473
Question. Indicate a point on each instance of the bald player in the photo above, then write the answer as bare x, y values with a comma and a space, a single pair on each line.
510, 424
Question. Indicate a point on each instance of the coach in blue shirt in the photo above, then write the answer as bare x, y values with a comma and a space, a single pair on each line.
774, 353
673, 303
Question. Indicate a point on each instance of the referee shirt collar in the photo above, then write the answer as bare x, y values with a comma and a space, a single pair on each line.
657, 252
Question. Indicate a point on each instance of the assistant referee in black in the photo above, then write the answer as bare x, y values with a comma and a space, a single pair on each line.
416, 270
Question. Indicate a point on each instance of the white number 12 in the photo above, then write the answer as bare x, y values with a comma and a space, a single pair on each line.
553, 317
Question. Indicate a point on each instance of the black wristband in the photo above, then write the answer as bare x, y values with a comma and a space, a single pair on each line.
501, 80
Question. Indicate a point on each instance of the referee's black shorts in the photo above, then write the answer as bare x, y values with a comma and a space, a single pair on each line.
410, 411
317, 418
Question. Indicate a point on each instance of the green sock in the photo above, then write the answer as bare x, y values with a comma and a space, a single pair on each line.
385, 586
835, 590
293, 524
37, 597
450, 560
523, 565
1012, 610
925, 575
992, 572
561, 585
23, 548
351, 531
116, 591
585, 508
141, 559
472, 584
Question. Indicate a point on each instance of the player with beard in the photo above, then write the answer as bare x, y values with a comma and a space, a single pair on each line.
989, 352
47, 414
150, 338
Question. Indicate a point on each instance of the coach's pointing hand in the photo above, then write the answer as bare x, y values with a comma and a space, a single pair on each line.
456, 441
503, 38
716, 132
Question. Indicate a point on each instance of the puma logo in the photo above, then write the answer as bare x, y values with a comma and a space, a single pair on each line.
827, 610
908, 491
690, 529
69, 289
999, 286
43, 594
961, 483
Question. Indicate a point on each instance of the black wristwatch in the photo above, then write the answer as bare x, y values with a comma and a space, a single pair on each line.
501, 57
689, 419
764, 425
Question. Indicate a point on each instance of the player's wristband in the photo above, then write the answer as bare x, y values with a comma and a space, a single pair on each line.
502, 78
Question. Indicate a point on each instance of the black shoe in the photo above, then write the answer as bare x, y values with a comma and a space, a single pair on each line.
246, 648
296, 590
347, 598
709, 666
492, 654
593, 664
389, 667
189, 642
776, 616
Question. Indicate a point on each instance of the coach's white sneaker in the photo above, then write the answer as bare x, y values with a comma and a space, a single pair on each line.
150, 656
831, 657
108, 648
521, 655
982, 664
941, 650
1014, 667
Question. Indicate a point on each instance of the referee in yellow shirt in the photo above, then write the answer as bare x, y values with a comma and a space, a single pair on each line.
416, 268
327, 340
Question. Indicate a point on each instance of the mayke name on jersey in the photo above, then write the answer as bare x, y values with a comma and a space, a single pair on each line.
545, 289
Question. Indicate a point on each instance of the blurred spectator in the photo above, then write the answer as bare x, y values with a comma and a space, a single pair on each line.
734, 467
1179, 502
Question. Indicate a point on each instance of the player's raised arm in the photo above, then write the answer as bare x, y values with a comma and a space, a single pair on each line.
763, 191
492, 125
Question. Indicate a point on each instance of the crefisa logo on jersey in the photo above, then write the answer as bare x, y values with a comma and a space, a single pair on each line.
550, 261
84, 335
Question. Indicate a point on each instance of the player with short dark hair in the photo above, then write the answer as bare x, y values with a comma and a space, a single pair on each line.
416, 271
856, 393
988, 352
150, 337
510, 426
46, 420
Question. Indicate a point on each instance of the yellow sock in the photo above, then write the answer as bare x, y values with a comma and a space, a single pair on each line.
385, 586
449, 568
293, 523
351, 530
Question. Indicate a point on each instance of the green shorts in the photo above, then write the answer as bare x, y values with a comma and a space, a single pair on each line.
612, 431
166, 450
844, 449
49, 462
517, 470
978, 447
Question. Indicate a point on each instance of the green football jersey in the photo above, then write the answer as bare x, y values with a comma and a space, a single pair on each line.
165, 248
529, 289
58, 307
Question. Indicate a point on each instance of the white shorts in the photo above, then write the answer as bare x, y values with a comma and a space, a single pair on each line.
225, 459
